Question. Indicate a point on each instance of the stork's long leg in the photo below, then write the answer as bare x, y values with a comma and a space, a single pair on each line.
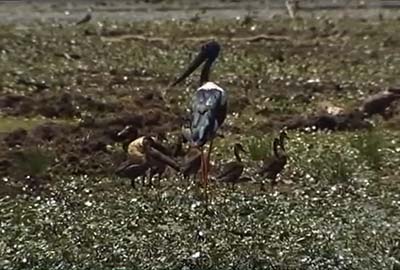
208, 161
203, 173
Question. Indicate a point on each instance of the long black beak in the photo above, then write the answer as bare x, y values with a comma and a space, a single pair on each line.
201, 57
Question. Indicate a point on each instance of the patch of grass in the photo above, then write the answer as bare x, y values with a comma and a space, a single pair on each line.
11, 123
324, 164
259, 148
338, 169
33, 161
369, 145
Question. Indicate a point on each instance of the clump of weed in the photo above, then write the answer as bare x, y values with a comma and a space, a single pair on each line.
259, 148
369, 146
337, 169
325, 164
32, 162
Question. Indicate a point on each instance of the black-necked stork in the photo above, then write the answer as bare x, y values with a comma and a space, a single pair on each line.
208, 106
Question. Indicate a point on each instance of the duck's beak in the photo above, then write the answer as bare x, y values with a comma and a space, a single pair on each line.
284, 133
241, 148
201, 57
287, 136
123, 132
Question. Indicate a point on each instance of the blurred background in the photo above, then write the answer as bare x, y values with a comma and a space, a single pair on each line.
26, 11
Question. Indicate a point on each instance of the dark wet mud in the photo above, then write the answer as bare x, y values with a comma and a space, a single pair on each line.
90, 147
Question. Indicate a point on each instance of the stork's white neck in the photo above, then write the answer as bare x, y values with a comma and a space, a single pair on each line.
210, 86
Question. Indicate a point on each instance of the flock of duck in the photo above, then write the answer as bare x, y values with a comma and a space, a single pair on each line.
148, 155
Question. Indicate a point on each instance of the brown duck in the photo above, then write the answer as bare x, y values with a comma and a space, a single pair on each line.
172, 151
275, 164
144, 153
191, 163
233, 170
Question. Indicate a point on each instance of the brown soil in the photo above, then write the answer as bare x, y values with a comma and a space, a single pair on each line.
85, 148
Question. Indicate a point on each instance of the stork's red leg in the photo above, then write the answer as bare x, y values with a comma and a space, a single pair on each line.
208, 161
203, 172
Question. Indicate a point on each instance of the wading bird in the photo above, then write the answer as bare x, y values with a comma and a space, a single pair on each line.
87, 17
292, 7
208, 107
274, 164
233, 170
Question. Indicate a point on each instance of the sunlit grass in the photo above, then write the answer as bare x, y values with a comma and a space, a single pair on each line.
369, 146
259, 148
328, 220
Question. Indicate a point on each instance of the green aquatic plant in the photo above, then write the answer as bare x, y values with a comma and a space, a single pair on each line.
337, 168
33, 161
259, 147
369, 145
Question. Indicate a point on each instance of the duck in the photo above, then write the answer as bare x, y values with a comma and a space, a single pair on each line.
173, 151
145, 153
132, 170
275, 164
191, 163
232, 171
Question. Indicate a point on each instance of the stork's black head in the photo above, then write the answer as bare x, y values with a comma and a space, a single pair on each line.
209, 52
